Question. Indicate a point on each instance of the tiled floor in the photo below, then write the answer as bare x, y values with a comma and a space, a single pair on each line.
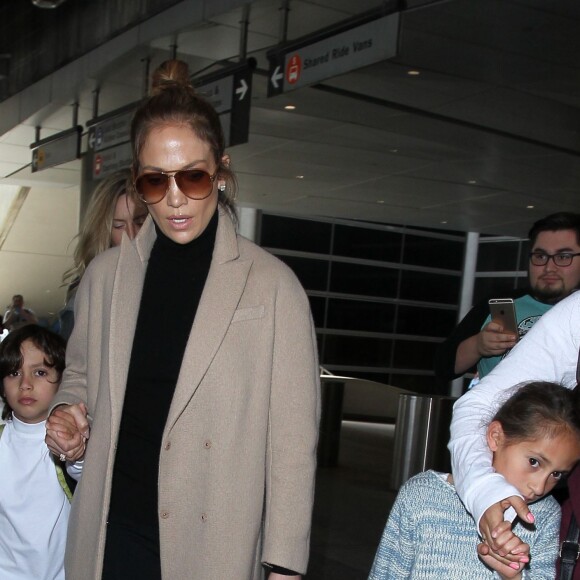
352, 504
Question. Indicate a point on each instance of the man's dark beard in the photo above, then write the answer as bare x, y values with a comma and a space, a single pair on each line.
549, 295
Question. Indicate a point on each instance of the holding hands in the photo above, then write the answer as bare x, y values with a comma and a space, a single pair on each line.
67, 431
501, 549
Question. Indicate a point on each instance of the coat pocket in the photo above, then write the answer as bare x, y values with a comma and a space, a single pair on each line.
248, 313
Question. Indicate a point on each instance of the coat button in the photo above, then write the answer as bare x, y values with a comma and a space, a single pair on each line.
204, 517
207, 444
164, 515
168, 446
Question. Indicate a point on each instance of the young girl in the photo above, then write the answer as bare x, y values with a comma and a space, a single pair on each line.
34, 497
535, 441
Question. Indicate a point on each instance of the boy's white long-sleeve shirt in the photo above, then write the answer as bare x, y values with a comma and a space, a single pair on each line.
34, 509
549, 352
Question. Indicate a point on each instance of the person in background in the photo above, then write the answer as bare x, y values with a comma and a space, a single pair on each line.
195, 354
110, 214
17, 316
553, 274
534, 439
34, 494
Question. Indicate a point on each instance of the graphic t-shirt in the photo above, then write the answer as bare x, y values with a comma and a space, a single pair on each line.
528, 312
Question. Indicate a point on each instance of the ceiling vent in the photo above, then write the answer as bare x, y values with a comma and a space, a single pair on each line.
47, 3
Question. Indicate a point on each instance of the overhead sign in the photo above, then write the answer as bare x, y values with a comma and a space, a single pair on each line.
57, 149
230, 92
310, 61
111, 131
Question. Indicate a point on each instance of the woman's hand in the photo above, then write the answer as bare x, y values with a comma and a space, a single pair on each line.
67, 430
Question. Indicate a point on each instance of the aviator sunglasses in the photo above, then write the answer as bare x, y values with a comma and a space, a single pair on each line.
194, 183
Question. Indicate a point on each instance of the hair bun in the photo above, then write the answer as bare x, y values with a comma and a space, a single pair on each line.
170, 73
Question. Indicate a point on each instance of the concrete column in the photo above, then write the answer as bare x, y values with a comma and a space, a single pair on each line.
248, 223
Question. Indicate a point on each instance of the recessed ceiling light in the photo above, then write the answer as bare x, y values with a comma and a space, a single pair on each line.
300, 177
380, 201
413, 73
443, 222
290, 107
530, 206
393, 150
472, 182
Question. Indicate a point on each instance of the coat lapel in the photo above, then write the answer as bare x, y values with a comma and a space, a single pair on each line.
222, 292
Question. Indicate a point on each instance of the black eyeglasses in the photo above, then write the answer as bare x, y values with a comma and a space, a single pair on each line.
561, 259
194, 183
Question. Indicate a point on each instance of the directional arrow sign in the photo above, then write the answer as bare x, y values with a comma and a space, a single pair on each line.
230, 92
276, 77
317, 57
242, 90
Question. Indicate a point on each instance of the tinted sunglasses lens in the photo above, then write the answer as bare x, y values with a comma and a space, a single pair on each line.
194, 183
152, 186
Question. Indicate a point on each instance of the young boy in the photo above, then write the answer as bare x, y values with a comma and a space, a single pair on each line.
34, 496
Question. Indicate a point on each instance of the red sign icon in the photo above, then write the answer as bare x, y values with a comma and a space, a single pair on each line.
293, 69
98, 164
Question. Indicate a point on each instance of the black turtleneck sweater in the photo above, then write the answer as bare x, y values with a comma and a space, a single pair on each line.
174, 281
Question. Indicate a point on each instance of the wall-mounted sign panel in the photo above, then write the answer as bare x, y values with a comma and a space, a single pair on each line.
230, 92
57, 149
110, 160
310, 61
111, 132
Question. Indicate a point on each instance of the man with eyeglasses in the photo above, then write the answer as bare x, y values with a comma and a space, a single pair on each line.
553, 273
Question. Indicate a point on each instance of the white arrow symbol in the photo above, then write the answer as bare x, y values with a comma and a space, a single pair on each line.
242, 90
277, 76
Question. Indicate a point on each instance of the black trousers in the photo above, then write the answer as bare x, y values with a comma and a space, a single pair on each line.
131, 554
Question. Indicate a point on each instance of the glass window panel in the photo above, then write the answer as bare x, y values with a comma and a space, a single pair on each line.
317, 305
365, 280
433, 252
356, 351
486, 288
425, 321
295, 234
430, 287
369, 244
524, 256
354, 315
497, 256
413, 354
312, 273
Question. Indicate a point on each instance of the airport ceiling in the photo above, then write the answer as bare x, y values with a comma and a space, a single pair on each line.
472, 126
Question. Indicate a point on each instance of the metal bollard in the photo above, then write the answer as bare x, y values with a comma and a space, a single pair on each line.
421, 436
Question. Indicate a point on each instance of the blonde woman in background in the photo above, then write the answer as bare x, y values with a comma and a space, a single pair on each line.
110, 214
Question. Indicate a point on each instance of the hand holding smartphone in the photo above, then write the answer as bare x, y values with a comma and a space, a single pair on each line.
503, 312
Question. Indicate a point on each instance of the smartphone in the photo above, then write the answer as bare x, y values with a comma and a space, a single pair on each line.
503, 312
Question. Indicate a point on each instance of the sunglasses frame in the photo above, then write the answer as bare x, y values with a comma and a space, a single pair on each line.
171, 174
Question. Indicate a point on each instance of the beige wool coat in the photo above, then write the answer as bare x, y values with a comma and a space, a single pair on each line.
237, 463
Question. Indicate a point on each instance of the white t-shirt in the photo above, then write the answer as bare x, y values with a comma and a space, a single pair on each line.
34, 509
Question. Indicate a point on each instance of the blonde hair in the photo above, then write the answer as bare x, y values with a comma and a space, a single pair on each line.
94, 234
173, 101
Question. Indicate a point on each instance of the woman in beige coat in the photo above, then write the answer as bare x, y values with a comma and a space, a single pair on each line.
194, 355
